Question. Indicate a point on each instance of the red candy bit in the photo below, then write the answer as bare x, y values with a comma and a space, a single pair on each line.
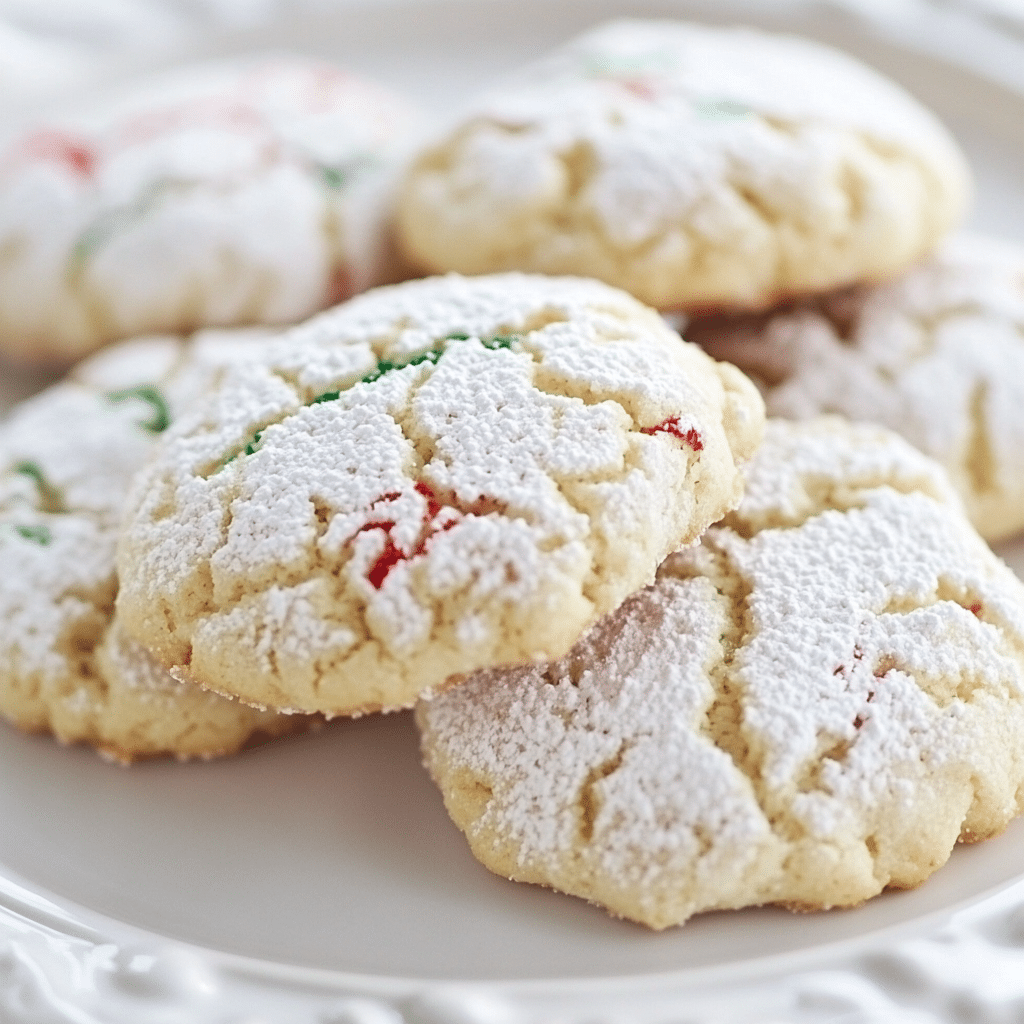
430, 525
432, 531
671, 426
386, 525
975, 609
639, 87
858, 655
63, 149
861, 719
433, 505
392, 554
386, 561
388, 558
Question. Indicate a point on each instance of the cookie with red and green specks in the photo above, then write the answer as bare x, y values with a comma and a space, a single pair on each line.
220, 195
814, 703
435, 477
66, 459
699, 168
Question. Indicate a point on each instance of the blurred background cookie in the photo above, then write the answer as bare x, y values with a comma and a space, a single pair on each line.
221, 195
66, 458
937, 356
698, 168
813, 704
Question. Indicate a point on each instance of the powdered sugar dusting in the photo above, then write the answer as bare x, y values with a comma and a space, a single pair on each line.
937, 356
224, 194
66, 459
805, 707
443, 450
697, 167
833, 465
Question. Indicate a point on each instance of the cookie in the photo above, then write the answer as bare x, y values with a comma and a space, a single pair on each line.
937, 356
435, 477
813, 704
66, 459
698, 168
225, 194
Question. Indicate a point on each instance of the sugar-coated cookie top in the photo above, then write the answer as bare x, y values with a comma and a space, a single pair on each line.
67, 456
937, 356
235, 192
808, 705
707, 78
436, 476
697, 167
66, 459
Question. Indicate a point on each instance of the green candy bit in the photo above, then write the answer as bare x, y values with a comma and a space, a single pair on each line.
327, 396
113, 222
386, 365
720, 109
383, 366
337, 176
499, 341
32, 469
432, 355
161, 418
40, 535
50, 498
250, 449
334, 177
86, 244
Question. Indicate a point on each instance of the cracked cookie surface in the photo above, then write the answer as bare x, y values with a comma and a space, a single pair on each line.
66, 459
220, 195
698, 168
811, 705
937, 356
433, 478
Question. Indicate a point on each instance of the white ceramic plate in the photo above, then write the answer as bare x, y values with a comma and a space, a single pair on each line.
319, 879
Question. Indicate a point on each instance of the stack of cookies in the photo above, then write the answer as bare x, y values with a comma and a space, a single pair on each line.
232, 193
791, 204
793, 712
663, 656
